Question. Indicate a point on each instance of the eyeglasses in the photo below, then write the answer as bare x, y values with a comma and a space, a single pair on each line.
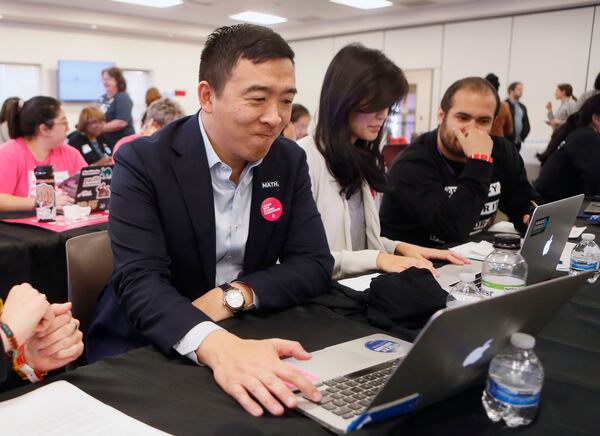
94, 123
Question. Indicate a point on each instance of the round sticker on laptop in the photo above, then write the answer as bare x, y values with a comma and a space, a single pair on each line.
271, 209
382, 346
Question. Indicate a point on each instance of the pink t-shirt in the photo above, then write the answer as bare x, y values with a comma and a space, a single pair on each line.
17, 164
125, 140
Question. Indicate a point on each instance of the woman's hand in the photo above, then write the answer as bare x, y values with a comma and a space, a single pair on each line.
25, 312
60, 343
418, 252
63, 199
393, 263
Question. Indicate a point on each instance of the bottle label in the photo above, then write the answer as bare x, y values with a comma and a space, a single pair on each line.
492, 289
513, 396
45, 202
584, 266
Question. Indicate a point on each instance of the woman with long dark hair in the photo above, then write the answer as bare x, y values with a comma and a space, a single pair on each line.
39, 129
347, 168
575, 165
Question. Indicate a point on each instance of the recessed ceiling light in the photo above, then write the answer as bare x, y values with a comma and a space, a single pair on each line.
258, 18
152, 3
364, 4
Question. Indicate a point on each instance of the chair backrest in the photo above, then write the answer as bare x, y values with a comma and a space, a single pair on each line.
389, 152
89, 267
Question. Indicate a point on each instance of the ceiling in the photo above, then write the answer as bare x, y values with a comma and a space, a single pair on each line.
194, 19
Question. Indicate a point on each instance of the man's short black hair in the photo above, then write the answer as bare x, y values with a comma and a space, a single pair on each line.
228, 44
476, 84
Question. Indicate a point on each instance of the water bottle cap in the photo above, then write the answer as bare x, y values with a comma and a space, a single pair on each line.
523, 341
507, 241
588, 236
467, 277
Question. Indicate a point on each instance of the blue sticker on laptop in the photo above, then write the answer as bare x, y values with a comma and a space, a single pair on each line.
539, 226
382, 346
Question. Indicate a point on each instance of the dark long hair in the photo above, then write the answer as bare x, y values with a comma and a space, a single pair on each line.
24, 120
359, 79
581, 118
567, 89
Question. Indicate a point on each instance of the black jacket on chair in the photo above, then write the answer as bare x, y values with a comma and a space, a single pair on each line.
162, 230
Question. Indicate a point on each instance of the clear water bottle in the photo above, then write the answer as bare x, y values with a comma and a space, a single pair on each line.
464, 292
514, 383
585, 257
504, 269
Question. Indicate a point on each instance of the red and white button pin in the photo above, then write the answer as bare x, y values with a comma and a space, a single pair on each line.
271, 209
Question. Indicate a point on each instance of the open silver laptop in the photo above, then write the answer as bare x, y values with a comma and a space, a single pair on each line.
378, 377
545, 239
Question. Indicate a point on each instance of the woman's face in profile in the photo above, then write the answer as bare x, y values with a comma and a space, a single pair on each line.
109, 83
366, 126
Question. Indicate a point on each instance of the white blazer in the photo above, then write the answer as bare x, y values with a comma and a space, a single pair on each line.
336, 218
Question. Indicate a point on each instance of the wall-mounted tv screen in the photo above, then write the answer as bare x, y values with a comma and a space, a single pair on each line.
81, 80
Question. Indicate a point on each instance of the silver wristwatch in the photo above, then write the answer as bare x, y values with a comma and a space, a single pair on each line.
233, 298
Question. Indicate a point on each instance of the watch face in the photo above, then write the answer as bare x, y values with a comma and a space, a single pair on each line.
234, 298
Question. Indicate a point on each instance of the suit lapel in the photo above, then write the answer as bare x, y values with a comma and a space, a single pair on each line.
190, 167
268, 183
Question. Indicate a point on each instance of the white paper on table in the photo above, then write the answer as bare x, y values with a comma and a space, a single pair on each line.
565, 257
359, 283
474, 250
576, 232
503, 227
62, 409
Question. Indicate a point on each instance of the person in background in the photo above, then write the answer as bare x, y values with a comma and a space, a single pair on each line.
518, 111
346, 166
300, 120
88, 138
160, 113
587, 94
575, 165
503, 123
116, 106
449, 183
6, 107
568, 105
152, 94
36, 337
39, 129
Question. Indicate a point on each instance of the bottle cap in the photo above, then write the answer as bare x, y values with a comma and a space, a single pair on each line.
507, 241
588, 236
523, 341
467, 277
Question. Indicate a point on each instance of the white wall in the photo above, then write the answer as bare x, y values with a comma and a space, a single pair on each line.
594, 52
174, 65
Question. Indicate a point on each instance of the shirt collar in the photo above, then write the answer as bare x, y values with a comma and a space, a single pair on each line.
211, 155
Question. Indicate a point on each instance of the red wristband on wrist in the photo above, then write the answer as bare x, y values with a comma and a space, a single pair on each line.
21, 367
480, 156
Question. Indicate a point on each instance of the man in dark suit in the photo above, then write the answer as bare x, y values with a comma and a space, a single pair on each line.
519, 114
212, 216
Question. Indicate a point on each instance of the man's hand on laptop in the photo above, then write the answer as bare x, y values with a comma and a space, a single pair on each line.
252, 372
393, 263
474, 141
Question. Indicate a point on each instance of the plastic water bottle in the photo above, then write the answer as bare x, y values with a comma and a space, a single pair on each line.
585, 257
514, 383
464, 292
504, 269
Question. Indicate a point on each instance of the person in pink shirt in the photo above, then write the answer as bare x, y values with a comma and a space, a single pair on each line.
160, 113
38, 130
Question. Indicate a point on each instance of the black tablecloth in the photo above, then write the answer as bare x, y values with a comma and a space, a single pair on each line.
37, 256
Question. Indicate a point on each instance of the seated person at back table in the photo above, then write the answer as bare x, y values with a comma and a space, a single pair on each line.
88, 138
346, 166
160, 113
214, 215
35, 337
449, 183
39, 129
575, 166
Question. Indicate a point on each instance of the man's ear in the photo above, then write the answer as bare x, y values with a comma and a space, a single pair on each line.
206, 96
440, 116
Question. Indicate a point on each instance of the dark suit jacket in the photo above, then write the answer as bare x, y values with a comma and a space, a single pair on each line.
526, 126
162, 229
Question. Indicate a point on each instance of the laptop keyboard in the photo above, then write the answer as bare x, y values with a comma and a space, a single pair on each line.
350, 395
